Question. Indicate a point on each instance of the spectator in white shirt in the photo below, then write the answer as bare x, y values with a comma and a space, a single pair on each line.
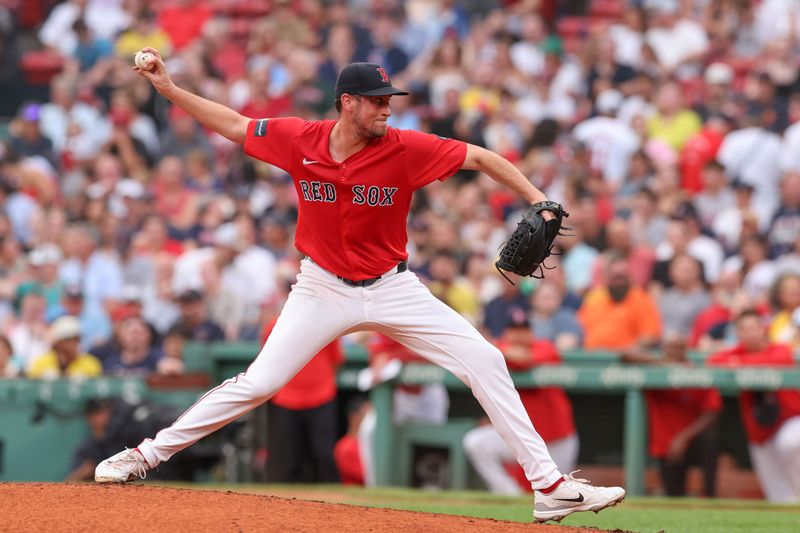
679, 44
610, 140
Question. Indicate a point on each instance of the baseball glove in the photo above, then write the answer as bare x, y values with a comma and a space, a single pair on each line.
525, 251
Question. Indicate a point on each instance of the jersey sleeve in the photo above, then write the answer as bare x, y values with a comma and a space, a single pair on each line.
272, 140
430, 157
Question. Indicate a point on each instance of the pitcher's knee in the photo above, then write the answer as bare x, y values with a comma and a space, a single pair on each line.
263, 388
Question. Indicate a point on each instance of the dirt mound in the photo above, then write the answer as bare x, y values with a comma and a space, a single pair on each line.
134, 508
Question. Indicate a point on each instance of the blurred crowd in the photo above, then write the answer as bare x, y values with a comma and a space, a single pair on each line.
669, 129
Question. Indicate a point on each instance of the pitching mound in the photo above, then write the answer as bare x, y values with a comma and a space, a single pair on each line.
133, 508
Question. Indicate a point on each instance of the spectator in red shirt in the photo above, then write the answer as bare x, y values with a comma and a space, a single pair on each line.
549, 409
184, 21
682, 423
771, 418
305, 409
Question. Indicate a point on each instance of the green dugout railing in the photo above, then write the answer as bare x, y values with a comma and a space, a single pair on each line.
34, 451
580, 372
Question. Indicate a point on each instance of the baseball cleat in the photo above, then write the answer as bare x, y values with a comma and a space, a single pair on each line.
574, 495
125, 466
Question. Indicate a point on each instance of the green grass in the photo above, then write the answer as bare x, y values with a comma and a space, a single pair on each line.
635, 514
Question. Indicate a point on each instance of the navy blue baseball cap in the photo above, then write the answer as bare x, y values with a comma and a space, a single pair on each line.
367, 79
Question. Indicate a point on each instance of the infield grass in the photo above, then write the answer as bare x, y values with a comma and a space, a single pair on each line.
646, 515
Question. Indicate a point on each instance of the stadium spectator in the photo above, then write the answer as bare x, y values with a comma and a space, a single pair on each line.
142, 32
679, 43
784, 229
716, 197
27, 139
739, 219
449, 286
771, 418
183, 137
65, 358
548, 408
28, 332
673, 123
193, 323
135, 353
686, 298
498, 310
9, 366
683, 236
757, 270
551, 320
104, 19
681, 422
43, 261
784, 298
305, 411
618, 314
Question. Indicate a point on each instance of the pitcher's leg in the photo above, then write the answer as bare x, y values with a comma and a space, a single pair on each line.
305, 325
415, 318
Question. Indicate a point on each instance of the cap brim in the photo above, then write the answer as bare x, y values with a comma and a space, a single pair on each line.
384, 91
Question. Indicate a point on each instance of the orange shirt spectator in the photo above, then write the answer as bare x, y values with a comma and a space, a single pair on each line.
619, 314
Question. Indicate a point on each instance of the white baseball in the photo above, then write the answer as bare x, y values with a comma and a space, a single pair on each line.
144, 60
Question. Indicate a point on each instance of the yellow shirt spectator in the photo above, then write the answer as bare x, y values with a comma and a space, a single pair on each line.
47, 366
132, 41
674, 131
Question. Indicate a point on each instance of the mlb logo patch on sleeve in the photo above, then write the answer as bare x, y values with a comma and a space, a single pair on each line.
261, 128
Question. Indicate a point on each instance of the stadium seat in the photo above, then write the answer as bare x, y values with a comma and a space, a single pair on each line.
449, 436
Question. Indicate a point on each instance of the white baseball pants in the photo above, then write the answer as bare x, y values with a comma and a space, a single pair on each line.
488, 453
777, 463
320, 308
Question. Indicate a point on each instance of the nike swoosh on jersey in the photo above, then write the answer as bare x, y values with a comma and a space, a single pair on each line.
579, 499
309, 161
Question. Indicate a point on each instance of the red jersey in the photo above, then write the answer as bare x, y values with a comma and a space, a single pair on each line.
548, 408
672, 411
352, 214
315, 384
788, 400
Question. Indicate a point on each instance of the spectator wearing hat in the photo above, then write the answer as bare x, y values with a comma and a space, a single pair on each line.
98, 271
719, 97
135, 352
95, 327
44, 261
549, 409
771, 418
65, 358
27, 139
611, 141
193, 323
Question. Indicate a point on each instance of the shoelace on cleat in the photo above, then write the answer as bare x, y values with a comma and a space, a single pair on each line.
570, 477
141, 469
